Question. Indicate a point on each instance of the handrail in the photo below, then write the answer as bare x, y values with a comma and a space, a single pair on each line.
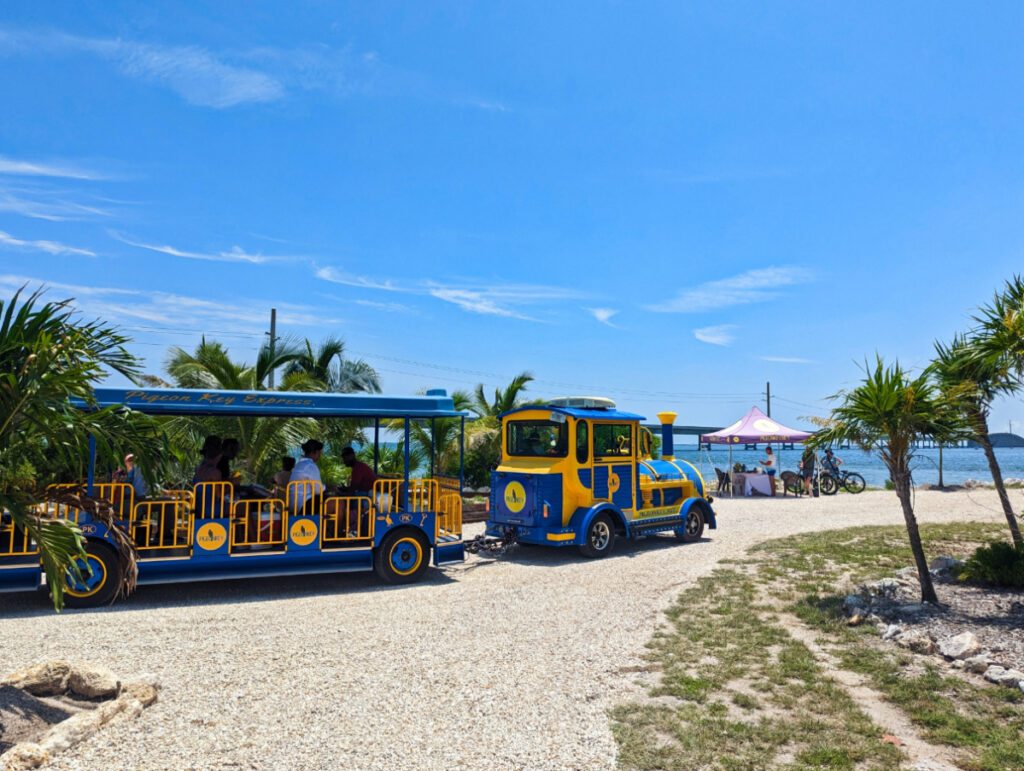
212, 499
300, 494
258, 522
347, 518
448, 521
161, 525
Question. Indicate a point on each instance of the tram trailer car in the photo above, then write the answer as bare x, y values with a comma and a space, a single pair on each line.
578, 472
213, 532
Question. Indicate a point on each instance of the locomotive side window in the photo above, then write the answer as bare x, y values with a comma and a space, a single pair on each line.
533, 438
582, 442
613, 440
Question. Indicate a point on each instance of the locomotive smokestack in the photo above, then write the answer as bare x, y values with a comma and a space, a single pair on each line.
667, 447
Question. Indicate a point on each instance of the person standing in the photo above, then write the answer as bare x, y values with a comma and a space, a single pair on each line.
807, 468
770, 466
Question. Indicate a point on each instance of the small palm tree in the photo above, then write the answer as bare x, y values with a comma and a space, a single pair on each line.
327, 363
973, 373
504, 399
47, 358
887, 413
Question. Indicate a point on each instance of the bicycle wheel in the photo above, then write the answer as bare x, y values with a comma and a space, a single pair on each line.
854, 483
828, 484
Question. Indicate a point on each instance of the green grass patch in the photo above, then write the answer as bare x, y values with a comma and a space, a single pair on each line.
738, 691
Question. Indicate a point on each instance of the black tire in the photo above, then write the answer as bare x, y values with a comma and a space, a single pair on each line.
693, 528
796, 485
402, 557
600, 537
102, 585
828, 484
854, 483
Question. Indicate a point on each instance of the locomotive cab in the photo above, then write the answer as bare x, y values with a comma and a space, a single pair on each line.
579, 466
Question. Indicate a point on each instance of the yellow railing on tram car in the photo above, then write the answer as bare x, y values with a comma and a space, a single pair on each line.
258, 522
347, 518
160, 524
15, 542
448, 521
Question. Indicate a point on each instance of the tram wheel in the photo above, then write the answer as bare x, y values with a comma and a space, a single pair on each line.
693, 527
600, 537
402, 556
96, 588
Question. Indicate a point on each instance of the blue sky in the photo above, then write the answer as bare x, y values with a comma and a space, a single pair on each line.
665, 203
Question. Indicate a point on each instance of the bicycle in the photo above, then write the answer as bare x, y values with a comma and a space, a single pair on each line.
830, 481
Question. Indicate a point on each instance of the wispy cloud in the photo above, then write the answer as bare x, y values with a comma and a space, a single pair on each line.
226, 79
52, 206
389, 307
199, 76
235, 254
180, 313
604, 315
50, 247
786, 360
720, 335
337, 277
476, 301
753, 286
61, 169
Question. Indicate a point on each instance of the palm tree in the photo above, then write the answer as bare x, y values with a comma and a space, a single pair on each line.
47, 358
262, 440
442, 435
887, 413
327, 363
504, 400
973, 373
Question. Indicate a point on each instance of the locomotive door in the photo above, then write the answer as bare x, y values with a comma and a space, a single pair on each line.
615, 464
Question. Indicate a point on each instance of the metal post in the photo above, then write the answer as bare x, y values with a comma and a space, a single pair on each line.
768, 393
376, 443
462, 451
940, 466
92, 466
405, 507
432, 447
273, 340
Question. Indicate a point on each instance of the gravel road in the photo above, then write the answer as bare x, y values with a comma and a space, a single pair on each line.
509, 663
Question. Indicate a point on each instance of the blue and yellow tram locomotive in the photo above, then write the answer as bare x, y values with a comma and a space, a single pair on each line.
578, 472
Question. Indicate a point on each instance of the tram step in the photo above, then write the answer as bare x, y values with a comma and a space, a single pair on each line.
656, 526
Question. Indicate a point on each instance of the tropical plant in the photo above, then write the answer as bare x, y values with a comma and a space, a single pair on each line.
391, 460
887, 413
504, 399
327, 364
49, 357
262, 440
973, 373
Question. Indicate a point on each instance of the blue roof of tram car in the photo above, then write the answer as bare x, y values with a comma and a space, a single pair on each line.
579, 412
187, 401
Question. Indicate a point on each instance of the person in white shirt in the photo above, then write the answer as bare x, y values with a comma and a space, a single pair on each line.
306, 470
770, 465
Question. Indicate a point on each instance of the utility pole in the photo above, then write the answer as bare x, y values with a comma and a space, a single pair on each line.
273, 341
768, 393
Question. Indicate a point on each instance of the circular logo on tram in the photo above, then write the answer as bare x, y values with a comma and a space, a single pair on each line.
211, 536
613, 482
303, 532
515, 497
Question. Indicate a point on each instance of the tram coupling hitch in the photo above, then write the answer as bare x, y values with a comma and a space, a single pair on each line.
494, 547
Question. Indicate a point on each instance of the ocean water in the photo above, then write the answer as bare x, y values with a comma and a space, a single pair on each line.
958, 463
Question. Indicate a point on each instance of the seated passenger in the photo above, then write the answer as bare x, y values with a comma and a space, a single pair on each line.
306, 470
133, 477
207, 504
282, 477
229, 451
363, 478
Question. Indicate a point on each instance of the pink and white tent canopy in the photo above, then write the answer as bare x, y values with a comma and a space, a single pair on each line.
755, 427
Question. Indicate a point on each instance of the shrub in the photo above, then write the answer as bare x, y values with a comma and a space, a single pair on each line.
889, 485
999, 564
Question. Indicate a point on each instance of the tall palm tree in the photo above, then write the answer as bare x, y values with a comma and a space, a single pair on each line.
48, 356
973, 373
887, 413
443, 437
262, 440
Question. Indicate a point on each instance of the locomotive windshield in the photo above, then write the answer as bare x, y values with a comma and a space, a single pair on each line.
533, 438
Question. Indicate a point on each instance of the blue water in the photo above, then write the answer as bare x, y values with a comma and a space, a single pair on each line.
958, 463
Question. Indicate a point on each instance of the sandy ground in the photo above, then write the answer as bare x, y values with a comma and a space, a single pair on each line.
507, 663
